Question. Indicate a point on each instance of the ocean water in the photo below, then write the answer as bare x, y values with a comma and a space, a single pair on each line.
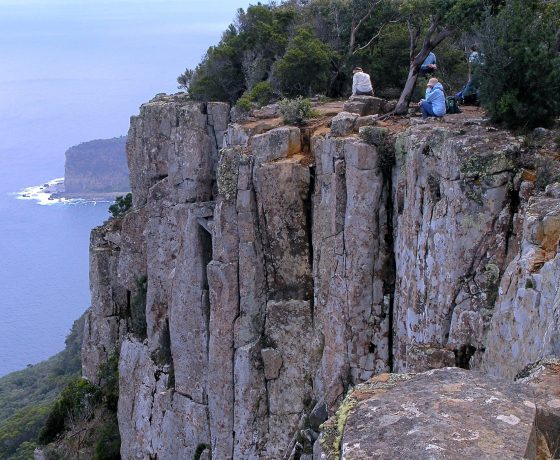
72, 72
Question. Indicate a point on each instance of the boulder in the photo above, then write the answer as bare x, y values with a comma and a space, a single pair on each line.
447, 413
343, 124
363, 105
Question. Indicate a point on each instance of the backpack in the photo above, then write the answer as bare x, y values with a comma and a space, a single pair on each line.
451, 105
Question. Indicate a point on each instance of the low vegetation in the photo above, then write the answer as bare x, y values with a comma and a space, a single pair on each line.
27, 396
297, 111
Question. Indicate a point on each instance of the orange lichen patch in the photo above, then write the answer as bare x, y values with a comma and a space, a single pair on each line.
261, 125
380, 378
537, 261
528, 175
548, 239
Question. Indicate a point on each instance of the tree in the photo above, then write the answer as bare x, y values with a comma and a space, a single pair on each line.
434, 20
520, 78
121, 205
184, 80
305, 66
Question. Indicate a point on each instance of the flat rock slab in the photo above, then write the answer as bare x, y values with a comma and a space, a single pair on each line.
446, 413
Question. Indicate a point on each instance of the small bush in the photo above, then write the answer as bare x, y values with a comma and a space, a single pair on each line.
261, 94
244, 103
109, 381
122, 205
108, 444
75, 401
297, 111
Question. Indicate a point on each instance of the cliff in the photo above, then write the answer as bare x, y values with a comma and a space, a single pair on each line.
96, 168
266, 269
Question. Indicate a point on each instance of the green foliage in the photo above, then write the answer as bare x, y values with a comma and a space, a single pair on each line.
304, 69
122, 205
296, 111
184, 80
109, 381
200, 449
261, 94
108, 444
244, 103
27, 396
520, 78
245, 54
21, 428
76, 401
138, 308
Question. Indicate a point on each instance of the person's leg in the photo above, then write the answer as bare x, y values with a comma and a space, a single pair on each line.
426, 109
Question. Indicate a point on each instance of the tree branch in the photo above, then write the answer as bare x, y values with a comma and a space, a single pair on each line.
373, 38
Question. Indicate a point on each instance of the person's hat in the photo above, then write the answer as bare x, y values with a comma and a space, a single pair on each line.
357, 69
433, 81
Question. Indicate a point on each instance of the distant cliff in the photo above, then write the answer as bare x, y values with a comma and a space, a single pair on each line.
97, 167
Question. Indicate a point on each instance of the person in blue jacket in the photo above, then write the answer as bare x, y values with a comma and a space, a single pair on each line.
429, 65
434, 103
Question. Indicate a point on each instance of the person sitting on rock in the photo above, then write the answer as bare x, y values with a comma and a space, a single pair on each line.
429, 65
434, 104
361, 83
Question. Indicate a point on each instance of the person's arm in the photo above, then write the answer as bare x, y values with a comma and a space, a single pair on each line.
432, 94
354, 84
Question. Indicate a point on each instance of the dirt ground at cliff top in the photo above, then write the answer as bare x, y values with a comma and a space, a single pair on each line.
396, 123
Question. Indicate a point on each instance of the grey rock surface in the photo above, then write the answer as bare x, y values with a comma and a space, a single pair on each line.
452, 220
407, 416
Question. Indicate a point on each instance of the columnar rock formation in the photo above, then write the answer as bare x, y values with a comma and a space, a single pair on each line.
263, 271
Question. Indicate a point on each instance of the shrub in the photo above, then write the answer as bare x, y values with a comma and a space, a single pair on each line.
520, 77
76, 401
108, 444
122, 205
109, 381
296, 111
244, 103
261, 94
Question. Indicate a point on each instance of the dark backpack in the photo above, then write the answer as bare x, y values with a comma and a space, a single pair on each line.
451, 105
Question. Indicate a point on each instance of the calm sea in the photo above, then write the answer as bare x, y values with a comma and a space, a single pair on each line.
72, 72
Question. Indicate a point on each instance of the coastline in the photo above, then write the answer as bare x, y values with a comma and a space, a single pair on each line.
52, 192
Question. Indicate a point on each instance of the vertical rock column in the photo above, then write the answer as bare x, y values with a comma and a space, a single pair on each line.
105, 323
350, 270
453, 216
172, 156
526, 324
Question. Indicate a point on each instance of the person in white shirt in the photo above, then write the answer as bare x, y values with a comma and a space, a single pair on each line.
361, 83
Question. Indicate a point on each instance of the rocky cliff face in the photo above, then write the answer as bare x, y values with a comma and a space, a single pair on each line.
266, 269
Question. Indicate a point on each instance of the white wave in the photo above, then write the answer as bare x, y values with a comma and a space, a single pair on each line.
42, 194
